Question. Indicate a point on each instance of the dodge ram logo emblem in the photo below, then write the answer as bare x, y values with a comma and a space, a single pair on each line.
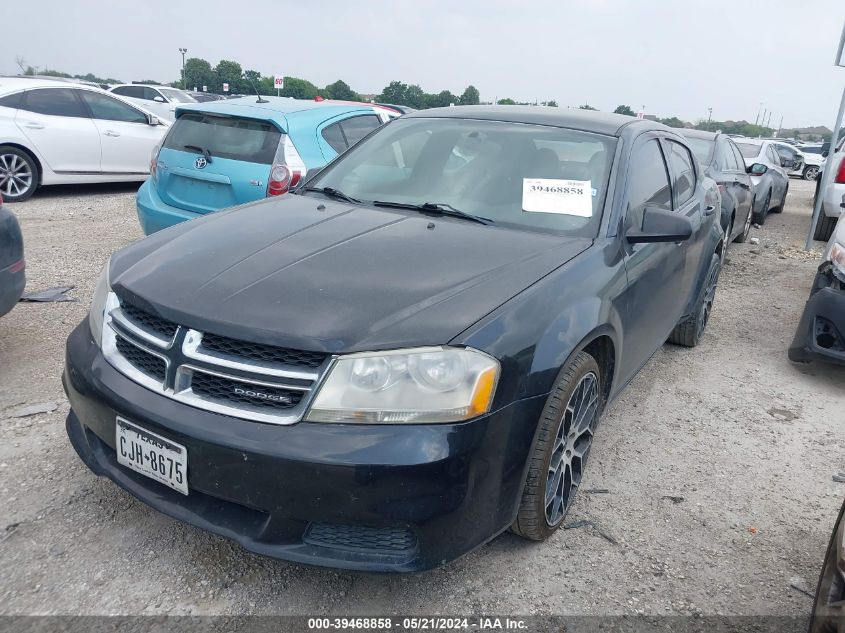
200, 163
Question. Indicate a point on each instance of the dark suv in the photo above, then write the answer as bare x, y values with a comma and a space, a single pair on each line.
411, 355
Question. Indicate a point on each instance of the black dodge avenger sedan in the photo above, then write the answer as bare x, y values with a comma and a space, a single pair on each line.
411, 353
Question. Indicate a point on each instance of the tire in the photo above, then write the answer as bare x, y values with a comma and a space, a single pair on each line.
742, 237
824, 227
728, 240
688, 332
760, 218
779, 208
810, 172
562, 443
18, 174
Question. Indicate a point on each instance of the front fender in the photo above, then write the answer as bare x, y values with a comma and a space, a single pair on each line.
535, 332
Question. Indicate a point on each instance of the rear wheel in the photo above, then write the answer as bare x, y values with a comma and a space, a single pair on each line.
760, 217
18, 174
747, 228
689, 331
560, 453
810, 172
824, 227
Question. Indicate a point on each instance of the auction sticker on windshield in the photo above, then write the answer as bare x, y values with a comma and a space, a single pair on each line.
551, 195
152, 455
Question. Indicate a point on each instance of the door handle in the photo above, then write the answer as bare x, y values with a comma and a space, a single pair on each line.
33, 126
708, 210
111, 133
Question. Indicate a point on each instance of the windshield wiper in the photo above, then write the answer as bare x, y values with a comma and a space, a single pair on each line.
440, 208
201, 150
332, 193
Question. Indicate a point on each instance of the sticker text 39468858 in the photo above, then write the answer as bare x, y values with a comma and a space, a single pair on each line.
552, 195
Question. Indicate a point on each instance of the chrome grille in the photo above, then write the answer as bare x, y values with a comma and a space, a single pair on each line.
219, 374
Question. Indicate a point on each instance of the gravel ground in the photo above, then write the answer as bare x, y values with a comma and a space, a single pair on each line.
717, 463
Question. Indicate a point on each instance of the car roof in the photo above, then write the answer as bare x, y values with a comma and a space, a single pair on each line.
709, 136
13, 84
147, 86
606, 123
752, 141
275, 109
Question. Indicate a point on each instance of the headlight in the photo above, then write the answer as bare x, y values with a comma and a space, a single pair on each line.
837, 260
423, 385
102, 291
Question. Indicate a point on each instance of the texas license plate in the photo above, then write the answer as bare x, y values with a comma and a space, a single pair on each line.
152, 455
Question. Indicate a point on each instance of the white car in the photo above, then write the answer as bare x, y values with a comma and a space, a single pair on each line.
160, 100
833, 195
54, 132
813, 160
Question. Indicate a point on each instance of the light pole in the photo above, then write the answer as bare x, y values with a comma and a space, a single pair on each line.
709, 115
759, 110
183, 51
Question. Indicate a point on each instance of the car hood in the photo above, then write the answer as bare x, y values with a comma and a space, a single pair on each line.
316, 274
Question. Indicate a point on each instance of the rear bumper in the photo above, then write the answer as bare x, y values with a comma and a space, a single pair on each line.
12, 284
365, 497
154, 214
821, 331
832, 203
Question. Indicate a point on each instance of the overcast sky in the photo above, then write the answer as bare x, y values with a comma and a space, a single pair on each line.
676, 57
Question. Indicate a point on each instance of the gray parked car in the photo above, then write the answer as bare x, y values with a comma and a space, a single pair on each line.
723, 162
769, 173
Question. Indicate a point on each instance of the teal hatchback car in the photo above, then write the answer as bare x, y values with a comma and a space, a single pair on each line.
224, 153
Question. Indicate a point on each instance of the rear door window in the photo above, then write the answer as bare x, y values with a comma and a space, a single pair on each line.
357, 127
683, 173
136, 92
54, 102
234, 138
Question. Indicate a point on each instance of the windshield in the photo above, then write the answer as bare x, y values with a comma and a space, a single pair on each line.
518, 175
749, 150
702, 148
177, 96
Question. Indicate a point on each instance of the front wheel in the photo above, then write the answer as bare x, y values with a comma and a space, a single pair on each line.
689, 331
810, 172
559, 456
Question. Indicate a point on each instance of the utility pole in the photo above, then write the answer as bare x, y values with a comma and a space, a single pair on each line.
183, 51
709, 115
769, 122
759, 110
780, 125
827, 174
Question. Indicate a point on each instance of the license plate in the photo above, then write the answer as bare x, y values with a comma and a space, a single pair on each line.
152, 455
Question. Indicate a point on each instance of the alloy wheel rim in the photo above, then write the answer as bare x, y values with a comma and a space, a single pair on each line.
571, 447
15, 175
811, 173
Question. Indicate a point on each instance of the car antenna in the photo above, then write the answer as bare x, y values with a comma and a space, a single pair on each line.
257, 94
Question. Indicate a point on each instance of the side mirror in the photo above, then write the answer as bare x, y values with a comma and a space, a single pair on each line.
825, 153
152, 120
757, 169
660, 225
159, 99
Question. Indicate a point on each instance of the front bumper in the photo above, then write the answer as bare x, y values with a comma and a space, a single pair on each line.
821, 331
154, 214
364, 497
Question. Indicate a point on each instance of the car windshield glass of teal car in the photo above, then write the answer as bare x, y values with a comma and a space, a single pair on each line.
234, 138
519, 175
